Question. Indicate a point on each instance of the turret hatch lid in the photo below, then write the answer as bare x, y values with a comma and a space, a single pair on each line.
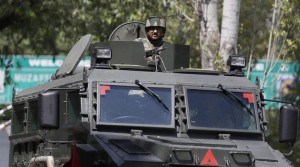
74, 56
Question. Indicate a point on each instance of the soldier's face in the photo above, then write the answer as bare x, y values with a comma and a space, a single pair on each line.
155, 33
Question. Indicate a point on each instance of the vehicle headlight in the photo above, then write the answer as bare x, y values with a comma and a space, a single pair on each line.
236, 63
101, 57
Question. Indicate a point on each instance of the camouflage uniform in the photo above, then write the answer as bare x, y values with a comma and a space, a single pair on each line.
148, 45
153, 21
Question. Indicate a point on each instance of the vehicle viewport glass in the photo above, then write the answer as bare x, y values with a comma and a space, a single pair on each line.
132, 105
216, 109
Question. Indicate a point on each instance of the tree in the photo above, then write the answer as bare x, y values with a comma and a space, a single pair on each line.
229, 31
215, 50
283, 44
37, 25
280, 41
207, 12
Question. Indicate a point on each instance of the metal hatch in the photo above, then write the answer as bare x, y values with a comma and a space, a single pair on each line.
128, 31
74, 56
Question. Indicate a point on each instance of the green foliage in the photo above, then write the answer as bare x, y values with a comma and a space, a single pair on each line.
290, 25
255, 27
42, 27
219, 63
52, 27
255, 18
33, 27
288, 29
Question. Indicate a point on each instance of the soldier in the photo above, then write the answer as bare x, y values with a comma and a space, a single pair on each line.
155, 30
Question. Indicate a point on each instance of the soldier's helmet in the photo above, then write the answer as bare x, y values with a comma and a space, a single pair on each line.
155, 21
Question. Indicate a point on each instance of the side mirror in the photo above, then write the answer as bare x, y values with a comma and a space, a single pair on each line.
288, 121
48, 110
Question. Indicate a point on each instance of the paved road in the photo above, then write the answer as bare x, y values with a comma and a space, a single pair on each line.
4, 148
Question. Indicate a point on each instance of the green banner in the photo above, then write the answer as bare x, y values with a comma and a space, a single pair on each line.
280, 77
29, 71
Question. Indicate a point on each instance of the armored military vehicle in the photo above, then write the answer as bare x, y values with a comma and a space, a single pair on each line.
120, 112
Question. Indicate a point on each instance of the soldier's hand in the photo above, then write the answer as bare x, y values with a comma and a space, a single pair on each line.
151, 52
152, 61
